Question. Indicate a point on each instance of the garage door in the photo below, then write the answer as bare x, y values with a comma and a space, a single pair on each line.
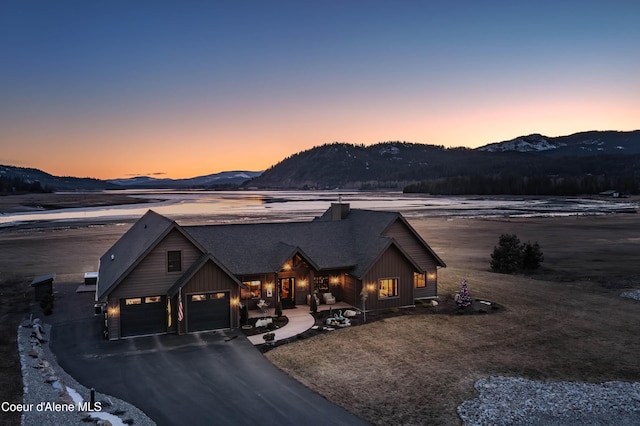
143, 315
208, 311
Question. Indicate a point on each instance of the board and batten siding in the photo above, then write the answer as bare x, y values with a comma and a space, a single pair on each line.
351, 290
211, 278
150, 276
411, 245
419, 253
392, 264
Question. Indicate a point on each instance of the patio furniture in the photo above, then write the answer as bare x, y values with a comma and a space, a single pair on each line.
328, 298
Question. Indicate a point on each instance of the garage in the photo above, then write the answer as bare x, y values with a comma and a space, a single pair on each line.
208, 311
143, 315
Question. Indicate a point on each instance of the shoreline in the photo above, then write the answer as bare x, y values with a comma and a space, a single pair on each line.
37, 202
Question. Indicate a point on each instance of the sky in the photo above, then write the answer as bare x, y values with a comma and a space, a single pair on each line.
112, 89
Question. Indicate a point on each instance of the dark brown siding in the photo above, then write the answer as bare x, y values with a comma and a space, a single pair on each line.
351, 290
392, 264
430, 290
150, 276
411, 245
210, 278
420, 255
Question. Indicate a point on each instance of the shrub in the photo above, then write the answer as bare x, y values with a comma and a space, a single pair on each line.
510, 255
532, 256
507, 255
314, 304
269, 337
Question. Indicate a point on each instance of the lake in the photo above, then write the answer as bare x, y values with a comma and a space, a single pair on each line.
254, 206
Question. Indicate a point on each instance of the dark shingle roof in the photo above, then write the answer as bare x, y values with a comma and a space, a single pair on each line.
129, 250
354, 242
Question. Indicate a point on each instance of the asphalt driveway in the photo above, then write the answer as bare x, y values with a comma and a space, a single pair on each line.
197, 379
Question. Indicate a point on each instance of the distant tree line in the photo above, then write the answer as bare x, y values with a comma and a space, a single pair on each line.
525, 185
15, 184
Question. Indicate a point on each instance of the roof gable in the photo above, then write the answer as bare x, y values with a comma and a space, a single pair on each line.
193, 269
401, 219
131, 249
353, 242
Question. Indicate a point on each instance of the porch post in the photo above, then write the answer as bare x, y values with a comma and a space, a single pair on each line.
276, 284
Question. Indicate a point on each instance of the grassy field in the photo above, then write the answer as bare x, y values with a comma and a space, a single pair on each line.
565, 322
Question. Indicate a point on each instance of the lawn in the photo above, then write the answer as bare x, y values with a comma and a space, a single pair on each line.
565, 322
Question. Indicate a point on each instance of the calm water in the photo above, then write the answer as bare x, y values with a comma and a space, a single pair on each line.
244, 206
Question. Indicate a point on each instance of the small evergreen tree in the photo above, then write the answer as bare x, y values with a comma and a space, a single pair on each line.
507, 255
463, 298
532, 256
314, 304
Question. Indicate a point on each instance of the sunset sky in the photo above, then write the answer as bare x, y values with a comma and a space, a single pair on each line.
116, 88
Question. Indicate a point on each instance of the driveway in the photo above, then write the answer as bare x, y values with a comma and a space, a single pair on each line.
196, 379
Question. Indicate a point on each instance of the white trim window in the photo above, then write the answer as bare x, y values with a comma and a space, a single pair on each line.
254, 292
387, 288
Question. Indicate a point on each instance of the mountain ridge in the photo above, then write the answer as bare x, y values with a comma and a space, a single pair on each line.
396, 165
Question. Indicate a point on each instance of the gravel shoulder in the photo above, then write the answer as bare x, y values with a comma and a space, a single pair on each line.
517, 401
52, 397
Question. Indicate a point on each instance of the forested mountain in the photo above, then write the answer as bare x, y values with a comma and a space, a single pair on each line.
583, 163
587, 162
20, 179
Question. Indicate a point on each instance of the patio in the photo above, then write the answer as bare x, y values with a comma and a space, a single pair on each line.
300, 320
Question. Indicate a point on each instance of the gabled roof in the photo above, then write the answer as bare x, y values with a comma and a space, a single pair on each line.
131, 248
355, 242
248, 249
193, 269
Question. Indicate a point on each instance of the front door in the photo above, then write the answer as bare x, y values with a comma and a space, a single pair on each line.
287, 286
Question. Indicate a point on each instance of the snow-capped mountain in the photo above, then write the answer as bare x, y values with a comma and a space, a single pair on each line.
216, 180
531, 143
578, 144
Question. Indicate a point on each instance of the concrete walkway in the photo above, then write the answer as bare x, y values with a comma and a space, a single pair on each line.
300, 320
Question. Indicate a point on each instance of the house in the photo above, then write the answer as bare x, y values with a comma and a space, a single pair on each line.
160, 277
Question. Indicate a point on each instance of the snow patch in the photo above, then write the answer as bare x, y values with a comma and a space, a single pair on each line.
393, 150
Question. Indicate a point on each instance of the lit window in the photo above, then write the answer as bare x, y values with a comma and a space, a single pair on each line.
254, 289
134, 301
198, 297
388, 287
153, 299
218, 296
419, 280
174, 261
321, 283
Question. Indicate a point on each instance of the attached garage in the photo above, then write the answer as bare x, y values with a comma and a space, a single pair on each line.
143, 315
208, 311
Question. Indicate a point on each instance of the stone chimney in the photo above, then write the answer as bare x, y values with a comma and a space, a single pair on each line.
339, 211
